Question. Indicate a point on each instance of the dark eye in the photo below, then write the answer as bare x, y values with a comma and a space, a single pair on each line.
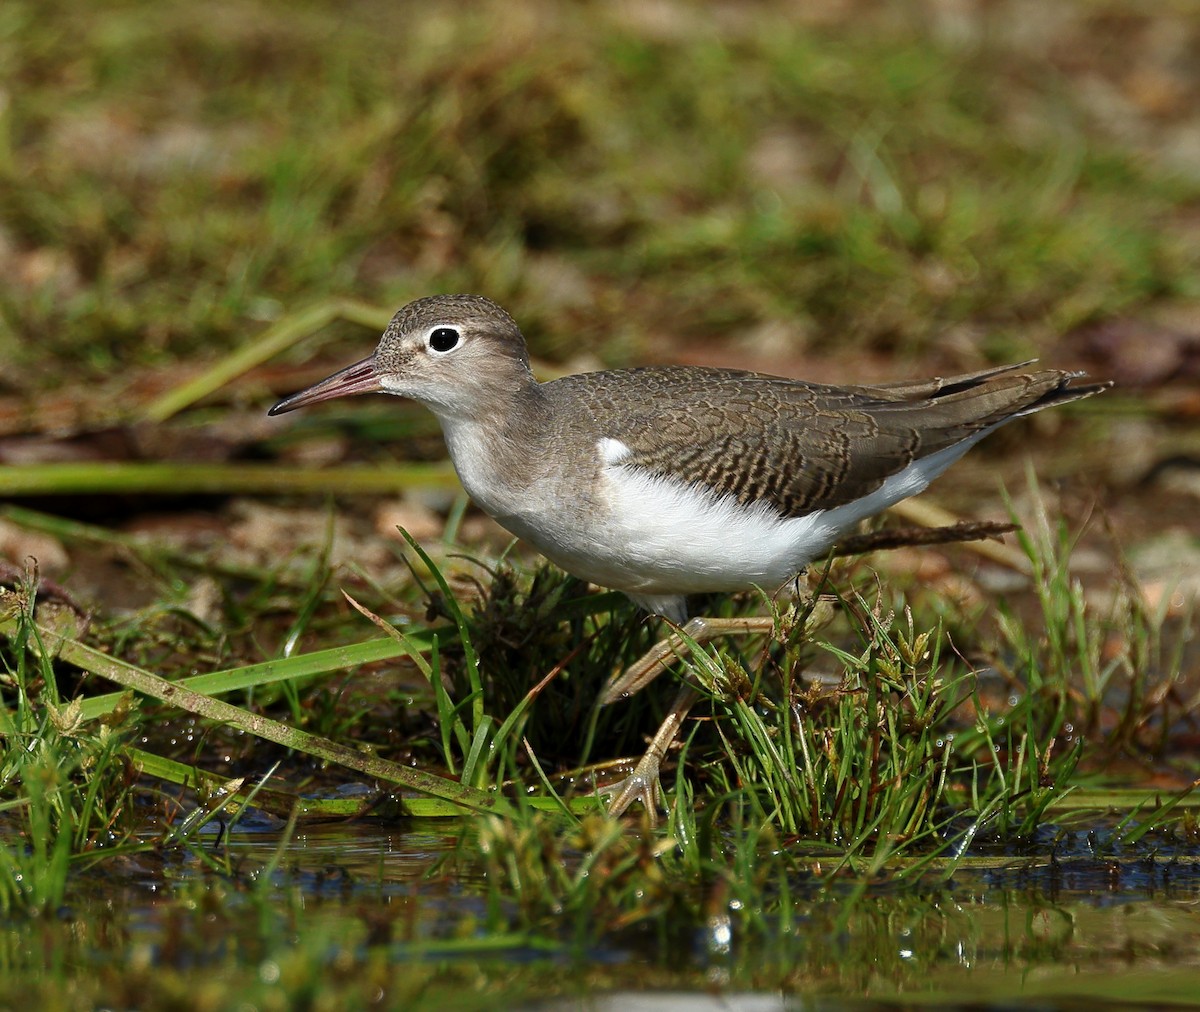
443, 339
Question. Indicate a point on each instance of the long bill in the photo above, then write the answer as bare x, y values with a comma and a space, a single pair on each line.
360, 378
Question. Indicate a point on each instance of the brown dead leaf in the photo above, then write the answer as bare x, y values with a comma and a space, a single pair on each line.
18, 545
1140, 352
415, 517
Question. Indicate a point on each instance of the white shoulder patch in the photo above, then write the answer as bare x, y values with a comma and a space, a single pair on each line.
612, 451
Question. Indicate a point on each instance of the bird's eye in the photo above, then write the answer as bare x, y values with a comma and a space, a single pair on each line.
443, 339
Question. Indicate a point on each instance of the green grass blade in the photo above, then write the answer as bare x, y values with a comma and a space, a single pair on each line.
318, 662
95, 662
276, 338
177, 477
470, 659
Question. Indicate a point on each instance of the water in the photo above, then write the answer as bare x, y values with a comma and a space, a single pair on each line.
359, 912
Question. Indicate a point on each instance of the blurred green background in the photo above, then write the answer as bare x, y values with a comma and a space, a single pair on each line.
962, 181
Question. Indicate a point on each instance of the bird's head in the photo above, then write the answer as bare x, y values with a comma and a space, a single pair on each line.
453, 353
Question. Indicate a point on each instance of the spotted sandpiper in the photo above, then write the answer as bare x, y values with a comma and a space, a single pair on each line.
667, 481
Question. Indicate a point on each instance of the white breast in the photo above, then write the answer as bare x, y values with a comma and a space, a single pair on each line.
478, 461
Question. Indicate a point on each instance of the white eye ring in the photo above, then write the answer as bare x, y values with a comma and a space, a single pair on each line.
443, 339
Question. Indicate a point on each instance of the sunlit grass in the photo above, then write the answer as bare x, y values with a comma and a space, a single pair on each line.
895, 762
64, 782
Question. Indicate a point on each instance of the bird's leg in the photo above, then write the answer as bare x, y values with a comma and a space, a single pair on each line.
679, 643
642, 783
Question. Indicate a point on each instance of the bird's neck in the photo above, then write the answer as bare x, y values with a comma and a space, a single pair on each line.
497, 443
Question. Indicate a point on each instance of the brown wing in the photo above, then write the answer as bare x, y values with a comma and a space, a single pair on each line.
801, 446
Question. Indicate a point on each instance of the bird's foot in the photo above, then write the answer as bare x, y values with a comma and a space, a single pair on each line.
642, 784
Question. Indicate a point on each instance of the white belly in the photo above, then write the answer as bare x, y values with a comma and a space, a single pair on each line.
651, 536
657, 536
